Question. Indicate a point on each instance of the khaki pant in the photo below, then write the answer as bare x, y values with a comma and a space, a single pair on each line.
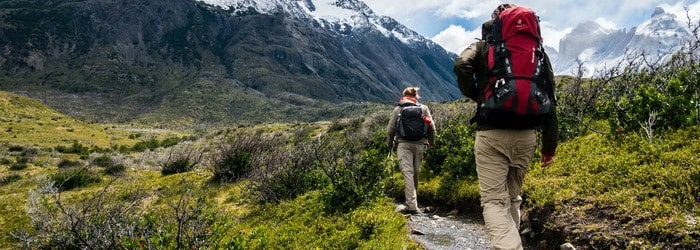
502, 159
410, 156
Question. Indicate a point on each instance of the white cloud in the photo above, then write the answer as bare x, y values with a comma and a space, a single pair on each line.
558, 17
456, 38
551, 35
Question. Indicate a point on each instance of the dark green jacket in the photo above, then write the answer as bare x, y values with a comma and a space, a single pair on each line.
472, 70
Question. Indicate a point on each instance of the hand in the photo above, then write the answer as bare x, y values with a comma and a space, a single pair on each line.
547, 159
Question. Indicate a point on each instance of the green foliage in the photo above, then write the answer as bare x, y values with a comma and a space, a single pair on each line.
71, 178
115, 169
4, 180
453, 152
67, 163
244, 153
19, 166
191, 221
652, 100
646, 185
290, 172
75, 148
141, 146
180, 161
103, 161
286, 226
355, 165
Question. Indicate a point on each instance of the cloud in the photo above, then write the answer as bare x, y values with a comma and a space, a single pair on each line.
452, 21
456, 38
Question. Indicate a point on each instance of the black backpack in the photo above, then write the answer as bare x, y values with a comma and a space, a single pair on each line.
410, 124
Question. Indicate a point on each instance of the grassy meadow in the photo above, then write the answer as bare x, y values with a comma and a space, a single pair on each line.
324, 185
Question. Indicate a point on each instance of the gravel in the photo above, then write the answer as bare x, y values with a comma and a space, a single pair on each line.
442, 232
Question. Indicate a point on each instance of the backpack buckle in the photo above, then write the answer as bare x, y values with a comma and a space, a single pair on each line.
500, 82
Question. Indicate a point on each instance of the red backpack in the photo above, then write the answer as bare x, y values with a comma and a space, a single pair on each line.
515, 94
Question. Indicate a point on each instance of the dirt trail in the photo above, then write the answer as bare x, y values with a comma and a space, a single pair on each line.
446, 232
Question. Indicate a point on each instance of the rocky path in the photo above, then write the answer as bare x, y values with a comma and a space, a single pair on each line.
445, 232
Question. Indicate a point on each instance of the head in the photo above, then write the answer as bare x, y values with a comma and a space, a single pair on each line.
411, 92
486, 29
500, 8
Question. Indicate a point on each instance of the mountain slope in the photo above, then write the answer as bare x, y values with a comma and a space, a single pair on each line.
600, 48
28, 122
137, 60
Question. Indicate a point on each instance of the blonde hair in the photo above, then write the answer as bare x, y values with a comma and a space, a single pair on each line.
411, 92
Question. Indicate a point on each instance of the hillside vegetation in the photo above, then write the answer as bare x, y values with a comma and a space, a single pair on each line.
27, 121
331, 185
627, 175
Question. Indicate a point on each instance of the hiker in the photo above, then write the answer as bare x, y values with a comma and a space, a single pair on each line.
411, 129
506, 140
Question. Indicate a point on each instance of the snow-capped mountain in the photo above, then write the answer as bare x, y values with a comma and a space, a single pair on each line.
215, 60
345, 17
599, 48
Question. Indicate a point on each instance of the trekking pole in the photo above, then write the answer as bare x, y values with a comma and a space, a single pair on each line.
389, 158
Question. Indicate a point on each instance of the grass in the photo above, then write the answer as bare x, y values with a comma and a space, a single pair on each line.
630, 189
600, 192
26, 121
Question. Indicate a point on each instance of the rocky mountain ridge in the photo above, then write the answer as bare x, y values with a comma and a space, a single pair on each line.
600, 48
190, 61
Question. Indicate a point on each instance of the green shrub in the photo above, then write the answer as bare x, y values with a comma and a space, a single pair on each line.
115, 169
245, 152
71, 178
19, 166
288, 173
75, 148
453, 152
103, 161
6, 161
66, 163
170, 141
9, 179
15, 148
147, 144
355, 165
180, 161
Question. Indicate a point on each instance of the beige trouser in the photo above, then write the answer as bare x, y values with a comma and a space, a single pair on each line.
410, 155
502, 159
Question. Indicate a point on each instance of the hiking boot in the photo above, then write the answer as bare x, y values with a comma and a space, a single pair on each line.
412, 212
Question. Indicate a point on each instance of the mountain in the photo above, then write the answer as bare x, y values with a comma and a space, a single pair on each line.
240, 61
598, 47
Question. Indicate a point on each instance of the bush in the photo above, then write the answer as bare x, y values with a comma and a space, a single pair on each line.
75, 148
109, 219
288, 173
239, 157
66, 163
453, 152
115, 170
103, 161
355, 165
180, 161
19, 166
9, 179
147, 144
71, 178
190, 222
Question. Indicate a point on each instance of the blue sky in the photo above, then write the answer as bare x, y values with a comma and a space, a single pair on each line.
455, 23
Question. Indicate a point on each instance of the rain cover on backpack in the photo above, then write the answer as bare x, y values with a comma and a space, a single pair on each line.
514, 95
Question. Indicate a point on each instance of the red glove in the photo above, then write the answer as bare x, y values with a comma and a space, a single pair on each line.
547, 158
